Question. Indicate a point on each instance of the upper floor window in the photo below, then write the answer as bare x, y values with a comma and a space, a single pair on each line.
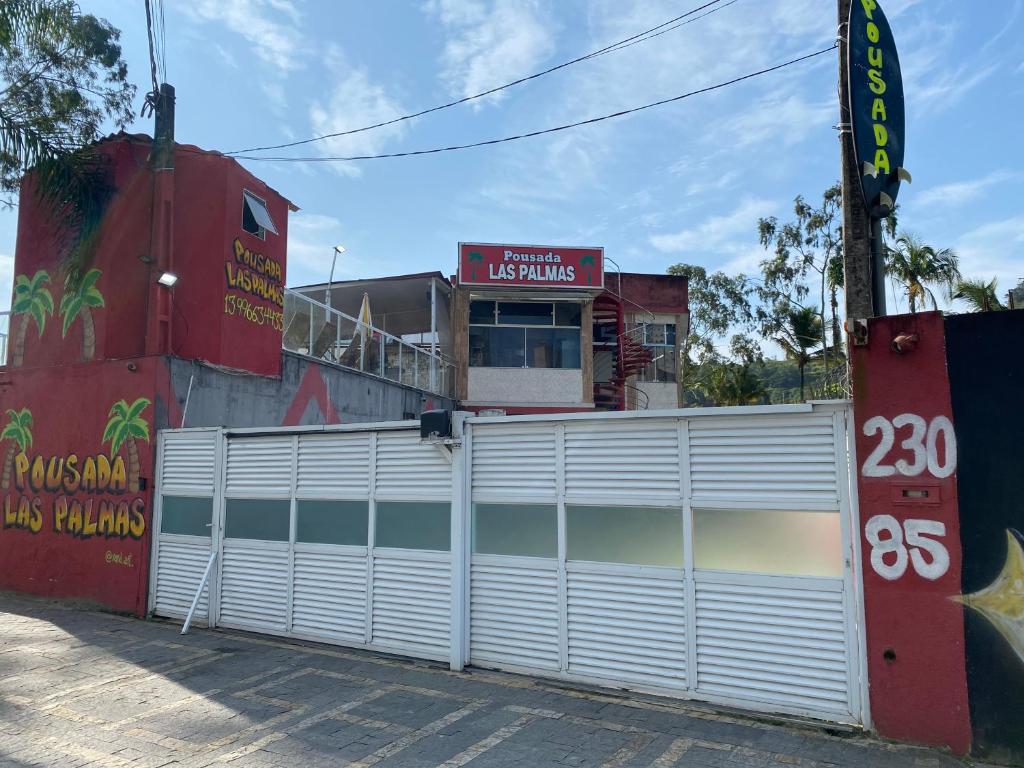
524, 334
660, 338
255, 216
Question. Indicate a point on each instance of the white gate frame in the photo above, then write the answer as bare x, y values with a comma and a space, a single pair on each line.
461, 515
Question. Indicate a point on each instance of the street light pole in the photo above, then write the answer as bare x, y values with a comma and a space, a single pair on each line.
330, 282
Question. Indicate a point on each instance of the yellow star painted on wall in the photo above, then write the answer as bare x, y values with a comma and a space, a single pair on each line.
1002, 601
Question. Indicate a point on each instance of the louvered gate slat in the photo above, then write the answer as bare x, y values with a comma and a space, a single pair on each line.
407, 468
624, 459
514, 613
334, 466
180, 565
254, 587
516, 460
412, 603
329, 593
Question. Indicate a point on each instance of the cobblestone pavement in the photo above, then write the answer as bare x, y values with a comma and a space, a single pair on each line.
84, 688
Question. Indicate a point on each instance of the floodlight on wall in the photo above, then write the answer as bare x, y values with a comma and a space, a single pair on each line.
167, 279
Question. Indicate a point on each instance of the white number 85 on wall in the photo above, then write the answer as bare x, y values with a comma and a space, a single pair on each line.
910, 552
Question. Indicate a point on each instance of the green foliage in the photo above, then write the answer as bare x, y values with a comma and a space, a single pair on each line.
75, 298
62, 78
918, 266
33, 298
19, 428
126, 421
978, 295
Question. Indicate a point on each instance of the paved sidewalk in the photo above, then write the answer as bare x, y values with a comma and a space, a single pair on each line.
82, 688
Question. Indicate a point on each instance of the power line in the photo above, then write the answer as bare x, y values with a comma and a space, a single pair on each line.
577, 124
626, 43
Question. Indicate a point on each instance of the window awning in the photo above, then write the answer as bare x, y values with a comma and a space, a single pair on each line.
259, 211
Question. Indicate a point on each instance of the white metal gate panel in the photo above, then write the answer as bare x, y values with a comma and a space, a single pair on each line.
514, 459
783, 645
334, 466
329, 593
764, 458
514, 612
627, 627
187, 466
631, 459
179, 570
259, 466
254, 586
407, 468
412, 603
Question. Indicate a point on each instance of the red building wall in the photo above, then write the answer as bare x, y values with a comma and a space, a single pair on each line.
910, 533
76, 485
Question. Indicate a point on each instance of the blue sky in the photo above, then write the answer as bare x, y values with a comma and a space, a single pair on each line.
681, 183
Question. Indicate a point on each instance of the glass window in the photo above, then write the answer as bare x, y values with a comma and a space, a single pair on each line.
525, 313
568, 313
332, 522
552, 348
186, 515
414, 525
774, 542
637, 535
662, 367
265, 519
491, 347
525, 530
481, 312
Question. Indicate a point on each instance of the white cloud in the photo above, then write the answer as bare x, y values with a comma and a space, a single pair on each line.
269, 26
311, 241
718, 234
779, 119
961, 192
490, 43
6, 280
354, 102
994, 249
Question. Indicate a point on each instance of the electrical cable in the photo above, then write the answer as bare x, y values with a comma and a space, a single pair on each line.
151, 99
627, 42
621, 113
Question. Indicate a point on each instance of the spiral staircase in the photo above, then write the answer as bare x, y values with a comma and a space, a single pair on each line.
628, 356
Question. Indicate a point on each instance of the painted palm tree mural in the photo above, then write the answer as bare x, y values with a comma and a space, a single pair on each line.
19, 432
475, 256
123, 428
79, 302
588, 261
32, 300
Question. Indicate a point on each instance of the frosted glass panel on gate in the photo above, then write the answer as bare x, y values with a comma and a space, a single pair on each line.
263, 519
186, 515
414, 525
773, 542
524, 530
636, 535
332, 522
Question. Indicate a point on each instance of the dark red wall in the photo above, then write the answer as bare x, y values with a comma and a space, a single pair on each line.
99, 553
657, 293
910, 535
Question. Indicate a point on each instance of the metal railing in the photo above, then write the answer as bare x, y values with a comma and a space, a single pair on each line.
319, 331
5, 329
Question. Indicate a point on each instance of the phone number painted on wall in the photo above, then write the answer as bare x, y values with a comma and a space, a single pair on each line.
239, 306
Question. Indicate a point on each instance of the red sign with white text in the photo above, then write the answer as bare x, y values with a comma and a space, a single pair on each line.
530, 266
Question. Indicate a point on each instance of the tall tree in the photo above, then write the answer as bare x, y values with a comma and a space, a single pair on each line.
919, 267
805, 247
62, 79
19, 431
719, 304
978, 295
798, 337
728, 383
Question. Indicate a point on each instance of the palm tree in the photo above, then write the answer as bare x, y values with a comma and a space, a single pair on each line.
19, 432
76, 302
734, 384
917, 266
126, 424
800, 334
979, 295
33, 300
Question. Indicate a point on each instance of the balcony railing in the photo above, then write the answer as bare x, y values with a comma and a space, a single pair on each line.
324, 333
5, 326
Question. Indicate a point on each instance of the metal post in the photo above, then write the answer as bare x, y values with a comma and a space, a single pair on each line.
877, 269
856, 225
199, 594
433, 335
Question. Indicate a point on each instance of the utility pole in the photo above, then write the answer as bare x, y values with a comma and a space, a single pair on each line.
861, 302
159, 324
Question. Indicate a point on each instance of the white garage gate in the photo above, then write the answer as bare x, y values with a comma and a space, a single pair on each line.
699, 553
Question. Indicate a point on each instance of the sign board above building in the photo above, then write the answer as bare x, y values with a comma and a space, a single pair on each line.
530, 266
876, 106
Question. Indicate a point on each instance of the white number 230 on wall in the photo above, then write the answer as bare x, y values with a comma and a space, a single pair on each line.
911, 552
922, 444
